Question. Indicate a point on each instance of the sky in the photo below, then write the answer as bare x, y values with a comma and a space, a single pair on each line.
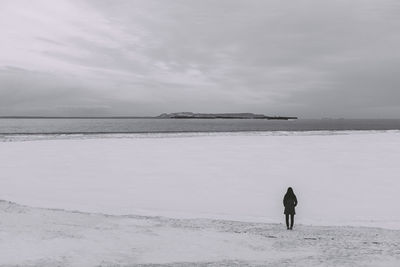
306, 58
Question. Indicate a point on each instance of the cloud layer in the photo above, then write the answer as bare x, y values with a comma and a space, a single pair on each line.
308, 58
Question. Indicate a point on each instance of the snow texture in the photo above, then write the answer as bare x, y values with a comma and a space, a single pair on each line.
341, 179
45, 237
200, 199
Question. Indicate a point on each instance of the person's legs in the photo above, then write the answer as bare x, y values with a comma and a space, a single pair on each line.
287, 220
291, 221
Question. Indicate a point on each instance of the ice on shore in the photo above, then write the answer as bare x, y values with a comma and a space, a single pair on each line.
44, 237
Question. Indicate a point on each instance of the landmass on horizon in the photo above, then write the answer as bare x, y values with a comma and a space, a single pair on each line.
176, 115
191, 115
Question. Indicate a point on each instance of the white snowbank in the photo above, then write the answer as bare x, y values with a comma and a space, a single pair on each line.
41, 237
341, 179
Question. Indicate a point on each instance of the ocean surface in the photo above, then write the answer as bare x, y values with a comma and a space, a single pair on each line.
112, 125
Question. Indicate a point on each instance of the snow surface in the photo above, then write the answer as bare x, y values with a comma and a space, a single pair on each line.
340, 179
97, 195
43, 237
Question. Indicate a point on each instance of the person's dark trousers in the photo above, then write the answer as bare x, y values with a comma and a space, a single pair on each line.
291, 220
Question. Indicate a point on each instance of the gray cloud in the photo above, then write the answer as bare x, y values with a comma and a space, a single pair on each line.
308, 58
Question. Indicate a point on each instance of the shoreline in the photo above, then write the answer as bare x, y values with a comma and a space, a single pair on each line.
194, 132
14, 137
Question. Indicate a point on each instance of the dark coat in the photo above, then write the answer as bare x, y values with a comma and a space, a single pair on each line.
290, 202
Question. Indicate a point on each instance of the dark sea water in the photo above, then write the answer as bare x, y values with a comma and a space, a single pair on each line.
95, 126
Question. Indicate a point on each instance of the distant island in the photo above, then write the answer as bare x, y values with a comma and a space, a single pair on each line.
176, 115
191, 115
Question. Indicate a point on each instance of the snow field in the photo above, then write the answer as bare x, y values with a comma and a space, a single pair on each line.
346, 179
43, 237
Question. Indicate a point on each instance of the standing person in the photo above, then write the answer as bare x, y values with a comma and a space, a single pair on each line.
290, 202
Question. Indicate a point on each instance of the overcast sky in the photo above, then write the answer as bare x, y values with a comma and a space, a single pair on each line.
334, 58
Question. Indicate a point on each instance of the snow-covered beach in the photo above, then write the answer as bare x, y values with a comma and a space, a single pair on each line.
45, 237
118, 182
